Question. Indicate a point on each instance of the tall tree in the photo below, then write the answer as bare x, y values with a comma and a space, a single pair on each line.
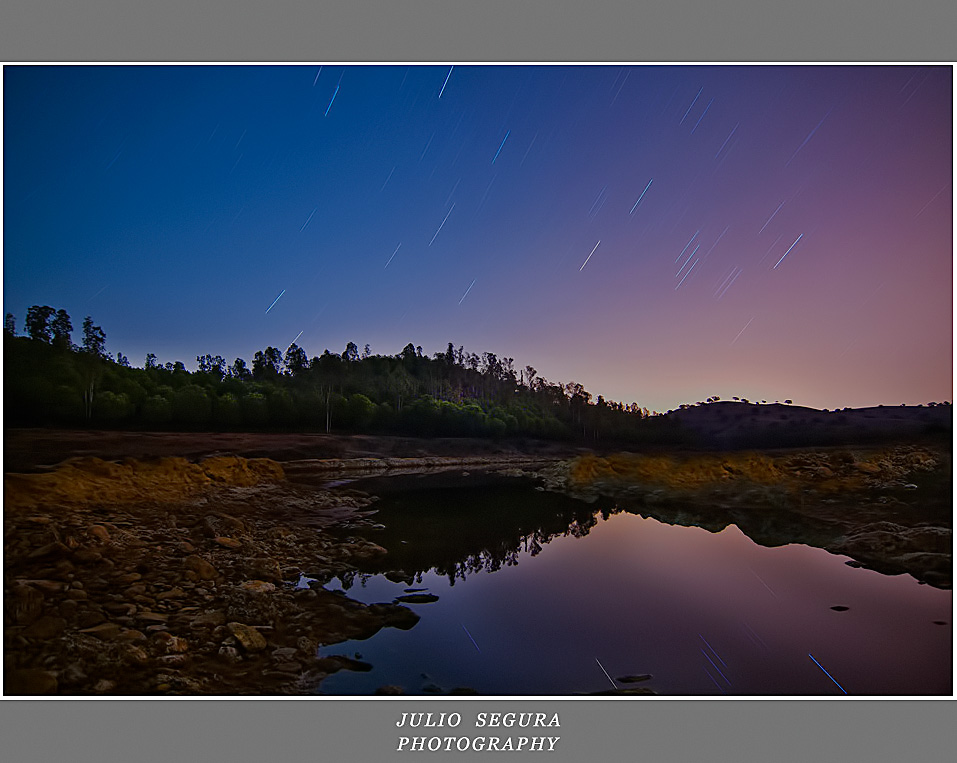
267, 363
61, 327
94, 351
212, 364
238, 369
38, 323
94, 340
10, 324
296, 361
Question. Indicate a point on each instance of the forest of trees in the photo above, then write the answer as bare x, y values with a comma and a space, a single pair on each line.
50, 381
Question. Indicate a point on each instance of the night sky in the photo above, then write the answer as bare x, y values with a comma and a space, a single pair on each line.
659, 234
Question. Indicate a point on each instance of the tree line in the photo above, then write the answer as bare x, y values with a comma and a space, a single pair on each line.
50, 381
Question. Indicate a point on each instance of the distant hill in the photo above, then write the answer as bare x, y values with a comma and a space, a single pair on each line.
735, 425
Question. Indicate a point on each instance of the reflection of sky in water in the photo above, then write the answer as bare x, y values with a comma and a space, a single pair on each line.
705, 613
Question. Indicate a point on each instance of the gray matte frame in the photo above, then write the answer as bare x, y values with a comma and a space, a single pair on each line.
653, 729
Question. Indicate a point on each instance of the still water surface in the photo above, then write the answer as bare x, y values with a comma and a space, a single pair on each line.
528, 609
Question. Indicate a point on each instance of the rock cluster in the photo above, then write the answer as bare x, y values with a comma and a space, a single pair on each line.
167, 577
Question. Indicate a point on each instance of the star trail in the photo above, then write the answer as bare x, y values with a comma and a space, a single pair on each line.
200, 193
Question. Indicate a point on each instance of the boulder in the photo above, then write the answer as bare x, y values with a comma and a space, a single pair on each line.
248, 637
202, 569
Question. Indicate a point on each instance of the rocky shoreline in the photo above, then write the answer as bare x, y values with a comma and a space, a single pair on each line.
889, 509
186, 589
166, 576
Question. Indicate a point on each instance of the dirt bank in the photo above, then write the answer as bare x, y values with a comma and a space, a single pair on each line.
29, 450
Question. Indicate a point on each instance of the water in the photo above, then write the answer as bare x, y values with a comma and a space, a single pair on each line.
542, 595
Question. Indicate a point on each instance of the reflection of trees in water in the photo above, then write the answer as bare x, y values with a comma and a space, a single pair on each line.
508, 552
478, 541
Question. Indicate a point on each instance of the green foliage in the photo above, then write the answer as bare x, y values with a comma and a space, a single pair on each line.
192, 407
157, 410
49, 381
111, 409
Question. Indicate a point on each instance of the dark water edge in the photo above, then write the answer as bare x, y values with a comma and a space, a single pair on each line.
538, 593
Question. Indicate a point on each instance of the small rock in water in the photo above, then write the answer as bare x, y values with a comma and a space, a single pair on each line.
840, 608
634, 679
417, 598
390, 689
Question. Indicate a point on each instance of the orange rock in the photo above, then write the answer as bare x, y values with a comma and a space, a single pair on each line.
248, 637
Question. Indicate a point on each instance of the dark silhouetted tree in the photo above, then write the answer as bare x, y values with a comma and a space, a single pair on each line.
267, 363
60, 327
296, 361
94, 340
239, 370
10, 324
38, 323
212, 364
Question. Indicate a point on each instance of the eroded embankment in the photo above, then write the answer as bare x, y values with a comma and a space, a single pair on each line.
888, 509
166, 576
